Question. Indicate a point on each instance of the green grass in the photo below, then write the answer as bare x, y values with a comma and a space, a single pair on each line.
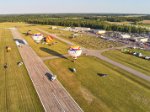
44, 50
120, 23
144, 52
83, 40
129, 60
118, 92
17, 93
12, 24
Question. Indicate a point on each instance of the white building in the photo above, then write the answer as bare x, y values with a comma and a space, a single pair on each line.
76, 29
53, 27
125, 36
100, 32
66, 29
82, 29
141, 39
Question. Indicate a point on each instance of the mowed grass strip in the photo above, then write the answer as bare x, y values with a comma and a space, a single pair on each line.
12, 24
84, 40
17, 93
44, 50
120, 91
129, 60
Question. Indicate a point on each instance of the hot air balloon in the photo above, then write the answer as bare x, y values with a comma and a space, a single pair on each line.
38, 37
75, 51
49, 39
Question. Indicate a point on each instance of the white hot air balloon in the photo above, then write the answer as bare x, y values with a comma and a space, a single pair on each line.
38, 37
75, 51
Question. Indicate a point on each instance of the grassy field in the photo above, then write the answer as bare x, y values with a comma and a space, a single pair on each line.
118, 92
17, 93
84, 40
44, 50
121, 23
144, 52
10, 24
131, 61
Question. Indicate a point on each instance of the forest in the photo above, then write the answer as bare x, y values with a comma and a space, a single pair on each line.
71, 20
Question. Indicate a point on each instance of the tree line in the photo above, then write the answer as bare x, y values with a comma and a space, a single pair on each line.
74, 22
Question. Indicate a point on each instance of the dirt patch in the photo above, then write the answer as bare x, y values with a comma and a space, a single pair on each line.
146, 21
87, 95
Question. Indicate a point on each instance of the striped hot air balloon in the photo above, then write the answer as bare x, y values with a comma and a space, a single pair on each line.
49, 39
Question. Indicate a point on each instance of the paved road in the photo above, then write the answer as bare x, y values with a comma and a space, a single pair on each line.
52, 94
97, 53
130, 70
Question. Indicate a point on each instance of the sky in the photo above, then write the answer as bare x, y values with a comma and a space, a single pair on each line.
74, 6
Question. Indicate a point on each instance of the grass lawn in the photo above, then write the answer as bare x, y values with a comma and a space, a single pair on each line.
84, 40
44, 50
118, 92
121, 23
144, 52
12, 24
17, 93
131, 61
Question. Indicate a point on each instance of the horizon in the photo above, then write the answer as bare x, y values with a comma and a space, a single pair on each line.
66, 6
93, 13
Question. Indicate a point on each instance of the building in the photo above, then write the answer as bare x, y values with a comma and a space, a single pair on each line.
53, 27
66, 29
100, 32
76, 29
141, 39
125, 36
82, 29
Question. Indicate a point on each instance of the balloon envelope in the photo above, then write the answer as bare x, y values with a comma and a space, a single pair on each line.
75, 51
49, 39
37, 37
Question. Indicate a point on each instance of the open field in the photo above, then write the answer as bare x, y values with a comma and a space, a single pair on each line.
131, 61
120, 23
118, 92
44, 50
146, 22
17, 93
11, 24
84, 40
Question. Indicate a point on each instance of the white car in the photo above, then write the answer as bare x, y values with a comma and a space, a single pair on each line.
53, 77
